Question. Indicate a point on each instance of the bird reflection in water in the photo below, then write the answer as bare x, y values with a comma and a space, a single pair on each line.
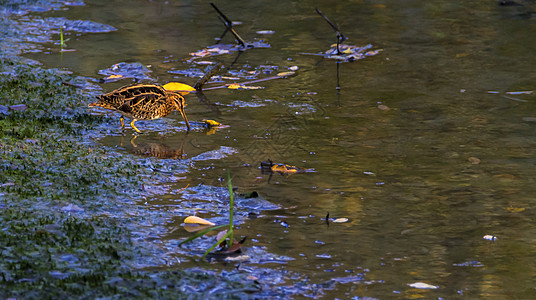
155, 149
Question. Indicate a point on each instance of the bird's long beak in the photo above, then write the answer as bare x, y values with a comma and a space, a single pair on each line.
185, 118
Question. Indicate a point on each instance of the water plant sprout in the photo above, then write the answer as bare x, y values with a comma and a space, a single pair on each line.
61, 38
228, 237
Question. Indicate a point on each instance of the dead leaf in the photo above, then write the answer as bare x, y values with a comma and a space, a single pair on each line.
340, 220
383, 107
285, 74
282, 168
474, 160
489, 237
238, 86
235, 248
197, 220
505, 176
422, 285
519, 93
515, 209
265, 32
269, 166
200, 53
113, 77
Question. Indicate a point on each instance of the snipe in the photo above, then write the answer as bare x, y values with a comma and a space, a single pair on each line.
142, 102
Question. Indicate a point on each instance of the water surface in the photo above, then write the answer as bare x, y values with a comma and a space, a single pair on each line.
412, 147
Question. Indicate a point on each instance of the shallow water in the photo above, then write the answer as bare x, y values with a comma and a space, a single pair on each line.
422, 178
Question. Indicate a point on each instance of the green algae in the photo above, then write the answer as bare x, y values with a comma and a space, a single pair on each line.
57, 239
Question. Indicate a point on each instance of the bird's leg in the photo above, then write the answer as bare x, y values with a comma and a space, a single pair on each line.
122, 123
134, 127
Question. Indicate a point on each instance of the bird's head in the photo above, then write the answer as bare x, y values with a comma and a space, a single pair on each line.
175, 92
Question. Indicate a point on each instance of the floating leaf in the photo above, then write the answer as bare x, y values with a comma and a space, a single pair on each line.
197, 220
285, 74
270, 167
293, 68
113, 77
384, 107
474, 160
529, 119
211, 123
347, 53
200, 53
235, 247
282, 168
520, 93
515, 209
178, 87
422, 285
265, 32
238, 86
340, 220
489, 237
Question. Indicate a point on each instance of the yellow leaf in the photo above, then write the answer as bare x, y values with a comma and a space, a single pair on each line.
114, 76
234, 86
282, 168
238, 86
211, 123
347, 51
285, 74
197, 220
178, 87
515, 209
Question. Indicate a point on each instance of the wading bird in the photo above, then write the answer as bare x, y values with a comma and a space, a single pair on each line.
144, 102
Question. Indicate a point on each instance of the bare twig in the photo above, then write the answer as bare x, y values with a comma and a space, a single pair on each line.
340, 36
210, 72
229, 25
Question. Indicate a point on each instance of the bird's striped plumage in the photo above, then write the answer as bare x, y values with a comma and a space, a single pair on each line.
142, 102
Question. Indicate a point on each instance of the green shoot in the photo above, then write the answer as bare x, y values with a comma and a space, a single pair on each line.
228, 237
61, 37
